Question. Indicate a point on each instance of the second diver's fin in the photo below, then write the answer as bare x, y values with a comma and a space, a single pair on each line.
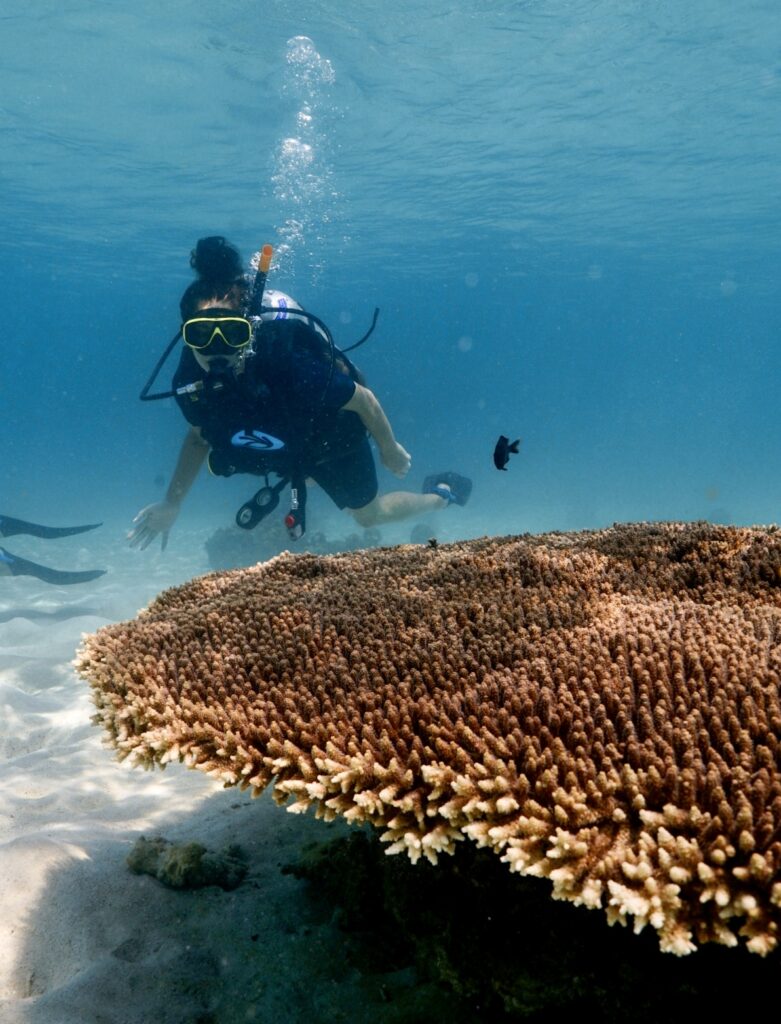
11, 527
15, 566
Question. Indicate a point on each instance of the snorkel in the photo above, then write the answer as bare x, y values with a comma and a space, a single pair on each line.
255, 305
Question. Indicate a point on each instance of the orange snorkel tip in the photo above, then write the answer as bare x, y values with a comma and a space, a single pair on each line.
258, 285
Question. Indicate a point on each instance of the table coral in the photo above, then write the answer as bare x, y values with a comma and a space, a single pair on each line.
599, 708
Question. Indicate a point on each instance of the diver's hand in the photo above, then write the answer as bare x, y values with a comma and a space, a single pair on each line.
397, 459
151, 521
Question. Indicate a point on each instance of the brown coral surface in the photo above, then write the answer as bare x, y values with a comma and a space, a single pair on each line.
600, 708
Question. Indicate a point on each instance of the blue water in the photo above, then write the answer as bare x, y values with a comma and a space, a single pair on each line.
567, 211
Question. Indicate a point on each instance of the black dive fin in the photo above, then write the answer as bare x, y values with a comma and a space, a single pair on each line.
11, 527
22, 567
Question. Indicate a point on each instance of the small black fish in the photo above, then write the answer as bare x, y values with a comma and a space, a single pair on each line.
504, 450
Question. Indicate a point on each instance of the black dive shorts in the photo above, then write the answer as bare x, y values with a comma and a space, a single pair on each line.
348, 476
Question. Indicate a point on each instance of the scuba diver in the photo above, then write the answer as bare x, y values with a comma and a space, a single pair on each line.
13, 565
266, 391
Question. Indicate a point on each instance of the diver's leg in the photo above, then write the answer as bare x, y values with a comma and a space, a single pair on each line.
350, 481
390, 508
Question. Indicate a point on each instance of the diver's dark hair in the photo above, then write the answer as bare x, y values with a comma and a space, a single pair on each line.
215, 259
219, 270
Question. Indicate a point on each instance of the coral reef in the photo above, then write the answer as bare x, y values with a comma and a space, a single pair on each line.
600, 709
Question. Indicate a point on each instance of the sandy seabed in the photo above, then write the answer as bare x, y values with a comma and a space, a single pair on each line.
83, 940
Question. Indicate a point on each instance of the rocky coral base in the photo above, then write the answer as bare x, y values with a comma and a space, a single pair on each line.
187, 865
498, 943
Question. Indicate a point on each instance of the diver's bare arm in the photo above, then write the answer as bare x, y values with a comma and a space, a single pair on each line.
367, 407
372, 415
192, 455
157, 519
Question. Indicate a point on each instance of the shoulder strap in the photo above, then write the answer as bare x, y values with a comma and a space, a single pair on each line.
278, 339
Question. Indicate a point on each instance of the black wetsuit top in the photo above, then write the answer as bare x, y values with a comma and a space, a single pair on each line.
281, 413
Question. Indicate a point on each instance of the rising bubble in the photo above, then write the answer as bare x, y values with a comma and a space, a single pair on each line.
302, 173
